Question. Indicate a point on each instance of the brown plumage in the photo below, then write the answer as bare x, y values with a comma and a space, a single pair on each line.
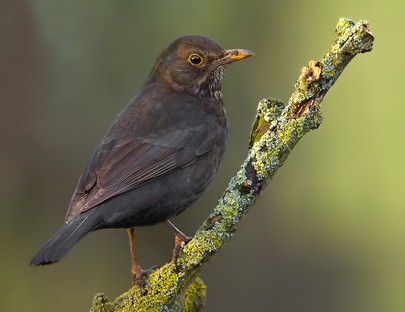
161, 152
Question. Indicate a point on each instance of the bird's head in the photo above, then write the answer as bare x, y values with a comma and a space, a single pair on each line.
195, 65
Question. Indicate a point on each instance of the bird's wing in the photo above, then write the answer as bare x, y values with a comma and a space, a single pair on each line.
121, 165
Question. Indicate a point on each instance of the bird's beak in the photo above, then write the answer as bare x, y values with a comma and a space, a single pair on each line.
236, 55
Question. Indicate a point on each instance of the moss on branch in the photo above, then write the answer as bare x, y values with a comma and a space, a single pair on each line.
276, 130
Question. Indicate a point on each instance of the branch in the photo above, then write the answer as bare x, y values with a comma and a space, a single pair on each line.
276, 130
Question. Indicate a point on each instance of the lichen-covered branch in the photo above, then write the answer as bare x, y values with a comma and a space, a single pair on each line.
276, 130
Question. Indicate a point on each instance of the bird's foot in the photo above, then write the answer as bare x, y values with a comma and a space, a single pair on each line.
138, 275
179, 240
178, 243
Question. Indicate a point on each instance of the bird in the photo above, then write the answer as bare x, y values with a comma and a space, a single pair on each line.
160, 153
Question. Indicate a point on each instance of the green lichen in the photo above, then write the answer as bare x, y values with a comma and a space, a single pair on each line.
101, 304
195, 296
268, 111
158, 298
305, 89
350, 40
274, 147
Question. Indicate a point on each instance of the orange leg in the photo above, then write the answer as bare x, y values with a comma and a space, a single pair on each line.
180, 237
135, 268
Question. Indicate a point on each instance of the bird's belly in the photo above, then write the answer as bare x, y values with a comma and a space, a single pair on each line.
162, 198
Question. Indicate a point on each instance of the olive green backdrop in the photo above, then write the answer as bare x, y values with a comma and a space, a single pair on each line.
326, 235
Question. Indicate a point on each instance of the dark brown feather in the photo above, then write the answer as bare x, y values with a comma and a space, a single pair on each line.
123, 162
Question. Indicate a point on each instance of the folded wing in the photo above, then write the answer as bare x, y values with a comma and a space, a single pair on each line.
118, 166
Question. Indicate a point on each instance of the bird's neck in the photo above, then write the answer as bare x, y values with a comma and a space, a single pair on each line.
205, 88
212, 86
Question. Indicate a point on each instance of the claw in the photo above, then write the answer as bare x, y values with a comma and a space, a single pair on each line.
137, 279
180, 237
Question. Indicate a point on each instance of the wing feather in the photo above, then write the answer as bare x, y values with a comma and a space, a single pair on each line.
119, 166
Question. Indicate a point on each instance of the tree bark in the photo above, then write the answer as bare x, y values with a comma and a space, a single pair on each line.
277, 128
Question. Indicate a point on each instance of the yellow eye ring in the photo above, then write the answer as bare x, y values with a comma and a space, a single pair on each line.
195, 59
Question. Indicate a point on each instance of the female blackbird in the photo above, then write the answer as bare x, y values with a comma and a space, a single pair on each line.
160, 154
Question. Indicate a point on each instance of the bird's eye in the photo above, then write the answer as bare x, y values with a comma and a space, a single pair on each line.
195, 59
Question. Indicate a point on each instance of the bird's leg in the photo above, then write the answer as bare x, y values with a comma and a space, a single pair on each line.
135, 268
179, 239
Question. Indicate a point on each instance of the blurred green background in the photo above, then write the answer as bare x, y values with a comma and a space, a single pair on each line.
326, 235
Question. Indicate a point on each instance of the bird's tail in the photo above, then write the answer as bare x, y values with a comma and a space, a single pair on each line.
58, 246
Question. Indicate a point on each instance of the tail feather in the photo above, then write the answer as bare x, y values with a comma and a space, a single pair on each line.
58, 246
